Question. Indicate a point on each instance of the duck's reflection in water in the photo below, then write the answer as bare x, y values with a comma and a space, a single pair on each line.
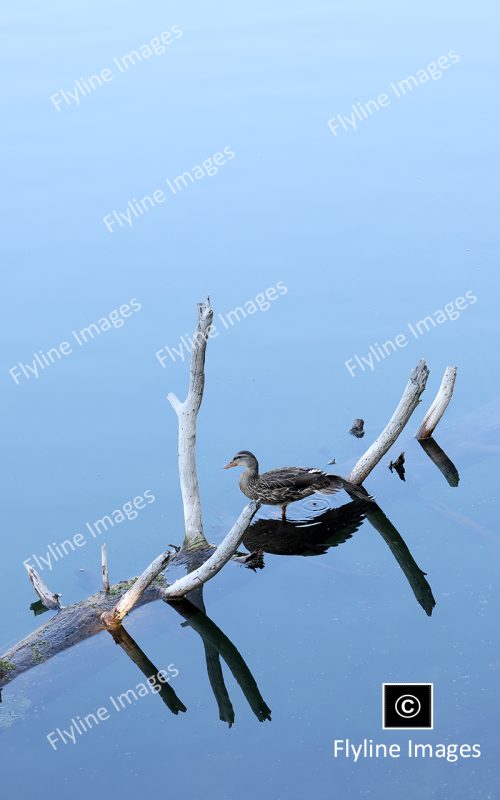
331, 528
306, 537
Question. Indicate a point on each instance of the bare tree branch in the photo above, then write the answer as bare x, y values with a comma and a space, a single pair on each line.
90, 616
438, 405
217, 560
127, 601
104, 567
186, 414
403, 412
193, 580
48, 598
75, 623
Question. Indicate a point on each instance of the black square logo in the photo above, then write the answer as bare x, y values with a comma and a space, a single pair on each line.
407, 706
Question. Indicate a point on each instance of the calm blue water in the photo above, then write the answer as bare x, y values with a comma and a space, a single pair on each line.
365, 234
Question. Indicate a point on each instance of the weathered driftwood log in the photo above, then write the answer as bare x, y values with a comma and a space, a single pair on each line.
128, 600
76, 623
47, 597
71, 625
193, 580
102, 610
187, 412
438, 405
88, 617
403, 412
82, 620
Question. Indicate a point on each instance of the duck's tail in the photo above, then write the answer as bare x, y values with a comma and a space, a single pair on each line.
336, 482
358, 491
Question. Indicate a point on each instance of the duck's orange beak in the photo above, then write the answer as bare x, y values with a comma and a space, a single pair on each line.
231, 464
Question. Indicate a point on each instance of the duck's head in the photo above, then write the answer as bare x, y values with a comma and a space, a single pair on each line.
244, 458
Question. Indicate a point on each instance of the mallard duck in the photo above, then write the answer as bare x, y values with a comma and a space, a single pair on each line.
285, 485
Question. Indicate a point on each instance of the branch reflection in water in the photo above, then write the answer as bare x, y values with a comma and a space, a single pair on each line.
331, 528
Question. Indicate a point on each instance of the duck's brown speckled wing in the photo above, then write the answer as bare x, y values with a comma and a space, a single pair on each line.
289, 477
292, 483
309, 478
288, 484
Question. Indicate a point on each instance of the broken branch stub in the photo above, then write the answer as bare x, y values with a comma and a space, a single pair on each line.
104, 569
403, 412
127, 601
187, 412
48, 598
78, 622
193, 580
438, 405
